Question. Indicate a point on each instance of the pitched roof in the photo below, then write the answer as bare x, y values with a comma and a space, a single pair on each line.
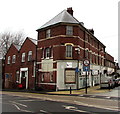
64, 17
33, 40
17, 46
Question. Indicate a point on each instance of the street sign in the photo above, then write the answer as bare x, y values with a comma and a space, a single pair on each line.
86, 65
86, 68
77, 69
86, 62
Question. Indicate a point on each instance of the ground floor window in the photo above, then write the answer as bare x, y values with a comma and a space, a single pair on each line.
69, 75
17, 76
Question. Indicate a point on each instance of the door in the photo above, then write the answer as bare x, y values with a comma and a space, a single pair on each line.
23, 79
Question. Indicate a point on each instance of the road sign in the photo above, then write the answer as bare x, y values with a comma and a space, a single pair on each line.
77, 69
86, 62
86, 68
86, 65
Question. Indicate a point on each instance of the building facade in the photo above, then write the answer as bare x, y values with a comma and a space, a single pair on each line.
63, 44
20, 65
55, 62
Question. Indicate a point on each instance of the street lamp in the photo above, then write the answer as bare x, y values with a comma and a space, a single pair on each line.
77, 70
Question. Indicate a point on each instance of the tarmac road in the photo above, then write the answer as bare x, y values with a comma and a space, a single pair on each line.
48, 104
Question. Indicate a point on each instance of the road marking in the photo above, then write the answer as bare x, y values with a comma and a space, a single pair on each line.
93, 96
16, 106
18, 103
73, 108
27, 100
108, 97
21, 109
43, 111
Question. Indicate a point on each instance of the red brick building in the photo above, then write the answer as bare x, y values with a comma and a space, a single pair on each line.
11, 66
20, 65
63, 43
109, 63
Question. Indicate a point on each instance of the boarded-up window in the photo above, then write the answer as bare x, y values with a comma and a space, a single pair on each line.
69, 76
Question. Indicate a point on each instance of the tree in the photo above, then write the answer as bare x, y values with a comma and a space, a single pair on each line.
7, 38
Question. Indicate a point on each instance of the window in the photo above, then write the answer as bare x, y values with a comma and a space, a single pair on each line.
47, 52
42, 78
69, 30
23, 57
51, 77
68, 50
103, 62
42, 55
8, 60
91, 57
86, 38
48, 33
96, 59
86, 53
29, 55
69, 76
17, 76
13, 58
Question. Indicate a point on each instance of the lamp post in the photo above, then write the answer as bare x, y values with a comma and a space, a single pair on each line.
77, 70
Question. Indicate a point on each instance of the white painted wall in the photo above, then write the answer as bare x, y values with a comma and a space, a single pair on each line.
61, 65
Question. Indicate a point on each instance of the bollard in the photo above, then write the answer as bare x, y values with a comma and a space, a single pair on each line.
109, 86
70, 90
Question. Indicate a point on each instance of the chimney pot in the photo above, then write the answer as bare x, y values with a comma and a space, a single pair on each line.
91, 30
70, 11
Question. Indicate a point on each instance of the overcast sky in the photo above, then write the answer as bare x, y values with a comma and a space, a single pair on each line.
29, 15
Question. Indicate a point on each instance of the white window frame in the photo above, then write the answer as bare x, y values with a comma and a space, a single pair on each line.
47, 53
69, 30
48, 33
8, 62
29, 55
13, 58
69, 50
42, 78
51, 77
23, 57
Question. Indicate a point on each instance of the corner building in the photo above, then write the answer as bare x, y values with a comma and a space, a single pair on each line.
63, 43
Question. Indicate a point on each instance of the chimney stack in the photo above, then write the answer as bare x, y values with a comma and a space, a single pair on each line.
91, 30
70, 11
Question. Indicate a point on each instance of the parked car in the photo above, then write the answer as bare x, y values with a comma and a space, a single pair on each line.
107, 82
117, 82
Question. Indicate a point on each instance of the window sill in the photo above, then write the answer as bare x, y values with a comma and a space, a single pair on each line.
69, 57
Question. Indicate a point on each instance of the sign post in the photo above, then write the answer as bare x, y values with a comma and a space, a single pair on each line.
86, 68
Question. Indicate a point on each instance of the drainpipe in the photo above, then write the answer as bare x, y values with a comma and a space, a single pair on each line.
36, 69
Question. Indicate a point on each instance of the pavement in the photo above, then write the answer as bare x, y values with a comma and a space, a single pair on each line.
90, 91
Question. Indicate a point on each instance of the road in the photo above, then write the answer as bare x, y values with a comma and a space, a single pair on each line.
49, 104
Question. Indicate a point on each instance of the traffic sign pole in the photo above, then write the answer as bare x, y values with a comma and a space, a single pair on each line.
86, 84
86, 67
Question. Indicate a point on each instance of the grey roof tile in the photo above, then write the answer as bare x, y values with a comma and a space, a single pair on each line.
64, 17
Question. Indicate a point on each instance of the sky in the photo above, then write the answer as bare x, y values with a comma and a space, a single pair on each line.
29, 15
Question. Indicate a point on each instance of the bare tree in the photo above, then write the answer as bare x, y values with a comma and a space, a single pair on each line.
7, 38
